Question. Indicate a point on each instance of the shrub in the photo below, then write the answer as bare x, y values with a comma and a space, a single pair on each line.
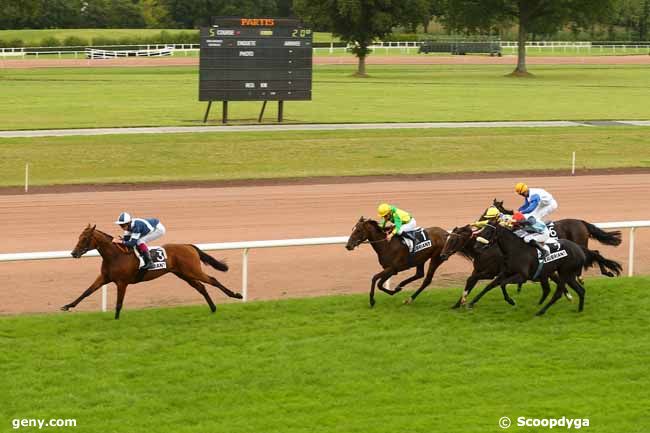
75, 41
50, 41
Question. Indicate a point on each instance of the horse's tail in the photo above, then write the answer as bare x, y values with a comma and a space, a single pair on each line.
209, 260
607, 238
607, 267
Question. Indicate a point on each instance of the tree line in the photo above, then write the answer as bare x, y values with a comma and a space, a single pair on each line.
358, 22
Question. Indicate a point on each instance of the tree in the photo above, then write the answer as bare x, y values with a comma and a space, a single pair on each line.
531, 16
357, 22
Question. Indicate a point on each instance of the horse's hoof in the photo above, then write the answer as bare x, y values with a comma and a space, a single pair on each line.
65, 308
456, 306
238, 296
372, 303
511, 302
539, 313
408, 301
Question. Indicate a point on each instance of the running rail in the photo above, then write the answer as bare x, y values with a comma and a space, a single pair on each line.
248, 245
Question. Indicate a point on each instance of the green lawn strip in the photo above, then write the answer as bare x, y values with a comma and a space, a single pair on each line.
98, 97
264, 155
331, 364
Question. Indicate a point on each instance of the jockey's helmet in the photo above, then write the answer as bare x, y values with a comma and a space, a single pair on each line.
124, 218
383, 209
521, 188
518, 217
492, 212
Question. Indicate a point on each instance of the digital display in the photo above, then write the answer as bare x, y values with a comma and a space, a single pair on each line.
255, 59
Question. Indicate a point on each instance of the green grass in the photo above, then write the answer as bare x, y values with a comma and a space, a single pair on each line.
33, 37
221, 156
94, 97
333, 365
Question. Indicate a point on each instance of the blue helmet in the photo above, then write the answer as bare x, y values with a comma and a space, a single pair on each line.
124, 218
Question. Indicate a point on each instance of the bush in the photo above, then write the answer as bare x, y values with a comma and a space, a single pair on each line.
15, 43
75, 41
101, 41
50, 41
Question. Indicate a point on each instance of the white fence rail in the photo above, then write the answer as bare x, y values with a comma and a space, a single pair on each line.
404, 47
248, 245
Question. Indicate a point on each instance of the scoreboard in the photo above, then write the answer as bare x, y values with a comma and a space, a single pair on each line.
255, 59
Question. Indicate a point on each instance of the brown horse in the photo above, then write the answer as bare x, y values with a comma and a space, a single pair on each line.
394, 256
121, 266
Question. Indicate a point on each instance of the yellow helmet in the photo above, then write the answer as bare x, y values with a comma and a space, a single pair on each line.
383, 209
492, 212
521, 188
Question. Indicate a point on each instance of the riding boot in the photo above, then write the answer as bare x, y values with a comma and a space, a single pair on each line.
148, 263
540, 247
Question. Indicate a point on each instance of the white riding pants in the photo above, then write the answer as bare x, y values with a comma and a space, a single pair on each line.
408, 227
152, 235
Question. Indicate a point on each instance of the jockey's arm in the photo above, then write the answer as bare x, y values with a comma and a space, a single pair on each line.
131, 240
530, 204
398, 223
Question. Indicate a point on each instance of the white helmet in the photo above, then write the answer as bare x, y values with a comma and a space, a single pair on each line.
124, 218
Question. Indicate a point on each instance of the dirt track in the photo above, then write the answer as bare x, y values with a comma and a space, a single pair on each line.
43, 222
337, 60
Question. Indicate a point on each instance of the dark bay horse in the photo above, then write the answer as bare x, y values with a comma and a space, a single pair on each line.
394, 256
487, 262
121, 266
521, 265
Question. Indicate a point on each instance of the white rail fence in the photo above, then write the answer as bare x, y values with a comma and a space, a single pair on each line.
249, 245
576, 47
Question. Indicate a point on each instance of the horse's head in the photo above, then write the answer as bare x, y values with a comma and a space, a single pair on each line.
363, 230
85, 243
499, 205
456, 241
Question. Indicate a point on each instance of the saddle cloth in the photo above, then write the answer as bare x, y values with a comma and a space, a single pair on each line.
416, 240
158, 257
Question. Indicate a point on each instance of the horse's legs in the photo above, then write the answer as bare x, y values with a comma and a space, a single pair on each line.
99, 281
419, 273
575, 285
121, 291
498, 281
214, 282
380, 276
506, 296
433, 265
519, 287
557, 295
201, 289
556, 280
546, 289
380, 285
469, 285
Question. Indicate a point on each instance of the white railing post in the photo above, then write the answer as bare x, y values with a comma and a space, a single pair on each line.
630, 259
104, 297
244, 275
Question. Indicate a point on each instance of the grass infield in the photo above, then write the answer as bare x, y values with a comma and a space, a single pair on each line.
225, 156
97, 97
331, 364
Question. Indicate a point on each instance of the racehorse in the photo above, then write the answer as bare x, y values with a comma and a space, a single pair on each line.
521, 264
487, 262
121, 266
395, 257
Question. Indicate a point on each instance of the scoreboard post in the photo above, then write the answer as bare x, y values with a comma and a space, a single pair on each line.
255, 59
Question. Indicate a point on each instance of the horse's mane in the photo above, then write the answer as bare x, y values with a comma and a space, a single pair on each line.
373, 223
104, 234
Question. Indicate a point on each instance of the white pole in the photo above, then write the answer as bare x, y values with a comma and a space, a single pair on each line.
630, 260
331, 47
104, 297
244, 275
573, 164
26, 176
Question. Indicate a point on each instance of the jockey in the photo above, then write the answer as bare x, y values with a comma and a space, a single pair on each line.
538, 203
536, 232
492, 215
139, 231
402, 220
